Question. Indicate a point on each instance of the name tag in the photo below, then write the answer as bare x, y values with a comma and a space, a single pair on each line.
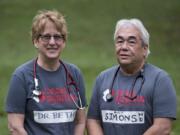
123, 117
58, 116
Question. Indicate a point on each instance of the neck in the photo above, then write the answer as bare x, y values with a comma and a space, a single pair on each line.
49, 65
131, 69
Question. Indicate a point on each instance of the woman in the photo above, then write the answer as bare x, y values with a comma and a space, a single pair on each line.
46, 95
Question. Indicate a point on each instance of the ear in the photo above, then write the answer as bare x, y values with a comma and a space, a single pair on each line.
35, 45
145, 47
64, 44
35, 42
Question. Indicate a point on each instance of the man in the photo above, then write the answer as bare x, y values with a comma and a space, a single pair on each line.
135, 97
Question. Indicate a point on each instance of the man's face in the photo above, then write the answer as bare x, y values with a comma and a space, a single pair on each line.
128, 46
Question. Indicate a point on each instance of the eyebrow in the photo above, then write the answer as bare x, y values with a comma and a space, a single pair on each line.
130, 37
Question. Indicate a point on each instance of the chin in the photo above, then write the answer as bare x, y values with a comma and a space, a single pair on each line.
53, 56
124, 62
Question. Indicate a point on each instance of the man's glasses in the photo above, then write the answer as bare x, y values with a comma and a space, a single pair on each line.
47, 37
132, 41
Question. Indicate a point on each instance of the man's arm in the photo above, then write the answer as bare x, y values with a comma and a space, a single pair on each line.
16, 124
161, 126
94, 127
80, 121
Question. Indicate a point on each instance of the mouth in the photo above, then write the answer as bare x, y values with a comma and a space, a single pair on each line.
52, 48
124, 56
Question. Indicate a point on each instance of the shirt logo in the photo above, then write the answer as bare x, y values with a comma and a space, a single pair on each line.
123, 117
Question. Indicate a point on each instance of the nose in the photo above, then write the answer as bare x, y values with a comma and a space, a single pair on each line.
124, 45
52, 40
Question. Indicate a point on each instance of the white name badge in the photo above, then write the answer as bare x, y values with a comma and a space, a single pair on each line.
123, 117
57, 116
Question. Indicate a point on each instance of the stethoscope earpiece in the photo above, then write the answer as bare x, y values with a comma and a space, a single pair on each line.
36, 99
36, 92
35, 95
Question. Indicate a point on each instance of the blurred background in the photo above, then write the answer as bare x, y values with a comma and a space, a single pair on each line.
90, 44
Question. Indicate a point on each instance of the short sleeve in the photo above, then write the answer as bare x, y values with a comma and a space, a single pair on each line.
164, 100
94, 108
16, 97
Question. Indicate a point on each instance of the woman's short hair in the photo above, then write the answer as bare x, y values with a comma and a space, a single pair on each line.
42, 17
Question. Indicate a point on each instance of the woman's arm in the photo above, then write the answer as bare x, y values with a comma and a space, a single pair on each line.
94, 127
16, 124
80, 121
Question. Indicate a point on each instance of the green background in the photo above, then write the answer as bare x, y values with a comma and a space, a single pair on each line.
90, 43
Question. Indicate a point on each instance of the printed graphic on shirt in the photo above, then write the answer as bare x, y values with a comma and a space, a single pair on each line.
57, 116
56, 95
120, 97
123, 117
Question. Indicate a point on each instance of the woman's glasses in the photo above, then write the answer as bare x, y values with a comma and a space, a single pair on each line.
47, 37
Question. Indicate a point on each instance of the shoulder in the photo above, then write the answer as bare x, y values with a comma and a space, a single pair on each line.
107, 73
156, 73
154, 70
27, 66
72, 69
71, 66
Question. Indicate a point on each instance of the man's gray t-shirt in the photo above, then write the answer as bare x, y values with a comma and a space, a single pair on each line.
123, 116
55, 113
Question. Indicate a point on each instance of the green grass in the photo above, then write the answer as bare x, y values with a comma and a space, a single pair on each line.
90, 46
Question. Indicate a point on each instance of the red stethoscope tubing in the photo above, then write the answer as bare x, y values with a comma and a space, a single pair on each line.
69, 81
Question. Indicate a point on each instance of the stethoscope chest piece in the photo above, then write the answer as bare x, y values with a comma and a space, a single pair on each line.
109, 97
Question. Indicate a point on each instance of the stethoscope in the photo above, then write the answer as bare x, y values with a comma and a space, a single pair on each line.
36, 93
109, 96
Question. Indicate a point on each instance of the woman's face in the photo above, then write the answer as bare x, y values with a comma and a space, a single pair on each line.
50, 43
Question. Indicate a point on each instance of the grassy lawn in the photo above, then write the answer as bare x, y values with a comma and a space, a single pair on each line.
90, 43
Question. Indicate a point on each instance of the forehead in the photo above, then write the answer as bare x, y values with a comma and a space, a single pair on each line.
128, 31
50, 27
